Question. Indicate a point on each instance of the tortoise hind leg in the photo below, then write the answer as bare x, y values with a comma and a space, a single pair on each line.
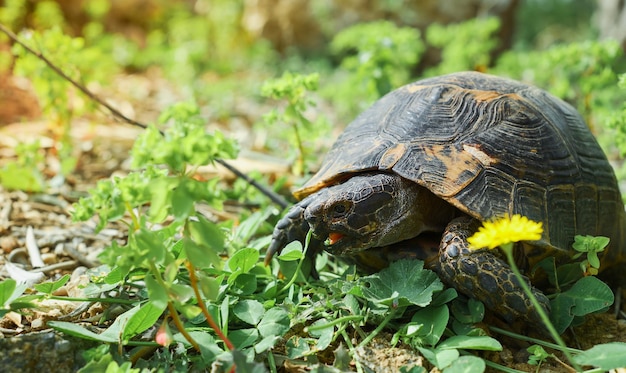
482, 275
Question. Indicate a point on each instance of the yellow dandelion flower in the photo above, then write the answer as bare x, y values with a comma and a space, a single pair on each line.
504, 231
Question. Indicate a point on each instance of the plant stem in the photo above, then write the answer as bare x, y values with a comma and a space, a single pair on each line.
531, 340
271, 362
508, 249
352, 350
300, 160
378, 329
181, 327
333, 323
293, 278
205, 311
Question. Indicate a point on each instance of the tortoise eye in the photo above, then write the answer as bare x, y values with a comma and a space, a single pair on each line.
339, 209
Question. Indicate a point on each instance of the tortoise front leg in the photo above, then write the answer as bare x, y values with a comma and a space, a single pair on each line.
293, 227
484, 276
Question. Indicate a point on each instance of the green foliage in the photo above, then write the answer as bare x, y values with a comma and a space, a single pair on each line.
56, 96
579, 293
551, 22
107, 364
48, 15
11, 298
294, 89
591, 246
379, 55
617, 121
80, 62
587, 295
537, 355
464, 46
191, 41
402, 284
582, 73
184, 143
25, 172
12, 12
605, 356
155, 253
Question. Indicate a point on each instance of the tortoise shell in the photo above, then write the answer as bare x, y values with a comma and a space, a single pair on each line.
490, 147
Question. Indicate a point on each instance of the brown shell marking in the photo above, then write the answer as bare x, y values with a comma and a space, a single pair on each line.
480, 95
392, 156
461, 167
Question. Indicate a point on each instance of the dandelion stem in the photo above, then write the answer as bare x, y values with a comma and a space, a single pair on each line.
508, 250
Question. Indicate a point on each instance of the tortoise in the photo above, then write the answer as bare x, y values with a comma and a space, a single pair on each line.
437, 157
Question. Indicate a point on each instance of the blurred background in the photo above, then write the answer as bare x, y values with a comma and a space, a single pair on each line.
143, 55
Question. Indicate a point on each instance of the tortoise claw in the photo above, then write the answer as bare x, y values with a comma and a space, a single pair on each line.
291, 227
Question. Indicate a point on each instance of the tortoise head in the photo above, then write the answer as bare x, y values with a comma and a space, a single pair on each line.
369, 210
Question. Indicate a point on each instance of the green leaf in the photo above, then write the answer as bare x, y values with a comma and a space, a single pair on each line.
7, 288
297, 347
561, 313
98, 364
116, 330
605, 356
243, 260
210, 286
182, 201
156, 292
206, 233
590, 243
266, 344
161, 198
50, 287
76, 330
17, 177
470, 343
593, 259
589, 295
150, 244
568, 273
181, 292
245, 284
208, 348
324, 335
291, 252
201, 256
145, 317
432, 322
476, 309
445, 296
403, 283
466, 364
275, 322
249, 311
244, 366
438, 357
247, 228
114, 277
224, 314
243, 338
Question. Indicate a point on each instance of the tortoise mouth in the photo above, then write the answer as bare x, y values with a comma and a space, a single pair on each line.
338, 243
333, 238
